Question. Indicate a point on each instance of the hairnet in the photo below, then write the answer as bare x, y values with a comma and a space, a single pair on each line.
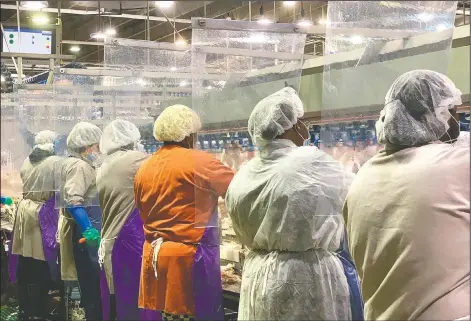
275, 114
175, 123
117, 134
44, 140
83, 134
416, 108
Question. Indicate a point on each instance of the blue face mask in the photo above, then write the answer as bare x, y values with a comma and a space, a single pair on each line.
306, 141
95, 159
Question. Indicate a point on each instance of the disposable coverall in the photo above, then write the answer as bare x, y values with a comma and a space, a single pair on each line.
285, 206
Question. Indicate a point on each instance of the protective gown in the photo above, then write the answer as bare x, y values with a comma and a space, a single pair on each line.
36, 221
80, 261
286, 208
122, 233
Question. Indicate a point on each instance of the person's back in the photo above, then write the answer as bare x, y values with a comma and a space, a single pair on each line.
38, 187
285, 206
115, 184
407, 217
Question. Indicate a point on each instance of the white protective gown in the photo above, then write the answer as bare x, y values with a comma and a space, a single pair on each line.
286, 207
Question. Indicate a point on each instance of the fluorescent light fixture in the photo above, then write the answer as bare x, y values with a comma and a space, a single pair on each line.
264, 21
209, 87
3, 79
356, 40
75, 48
289, 3
164, 4
441, 27
34, 4
110, 32
141, 82
304, 23
183, 83
16, 76
98, 35
180, 42
173, 69
425, 16
41, 20
322, 21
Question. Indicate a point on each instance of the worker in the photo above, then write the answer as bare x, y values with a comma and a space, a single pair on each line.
285, 205
176, 192
408, 209
81, 216
35, 228
122, 236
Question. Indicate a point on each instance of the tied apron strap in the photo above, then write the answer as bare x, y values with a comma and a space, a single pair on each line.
102, 250
156, 244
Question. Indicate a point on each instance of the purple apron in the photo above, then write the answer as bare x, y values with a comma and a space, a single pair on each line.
207, 284
12, 260
126, 257
48, 220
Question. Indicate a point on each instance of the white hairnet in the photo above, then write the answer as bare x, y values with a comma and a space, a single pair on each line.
44, 140
175, 123
275, 114
117, 134
83, 134
416, 108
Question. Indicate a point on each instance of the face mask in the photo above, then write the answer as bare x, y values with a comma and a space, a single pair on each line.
94, 158
139, 147
307, 140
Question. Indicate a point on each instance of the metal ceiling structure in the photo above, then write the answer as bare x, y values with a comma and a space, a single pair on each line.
75, 21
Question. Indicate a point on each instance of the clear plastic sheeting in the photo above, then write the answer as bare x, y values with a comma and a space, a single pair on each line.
368, 45
12, 150
147, 76
78, 98
235, 64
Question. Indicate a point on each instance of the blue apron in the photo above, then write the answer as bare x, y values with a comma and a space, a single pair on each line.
356, 300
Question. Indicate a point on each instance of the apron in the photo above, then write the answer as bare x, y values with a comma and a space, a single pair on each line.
356, 300
206, 274
48, 220
126, 256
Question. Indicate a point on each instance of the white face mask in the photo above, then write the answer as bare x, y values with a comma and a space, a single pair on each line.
139, 147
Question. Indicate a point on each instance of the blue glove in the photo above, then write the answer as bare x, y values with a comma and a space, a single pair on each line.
81, 217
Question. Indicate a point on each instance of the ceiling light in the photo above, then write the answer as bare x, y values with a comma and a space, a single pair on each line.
173, 69
41, 20
164, 4
304, 23
356, 40
110, 32
289, 3
140, 82
34, 4
264, 21
98, 35
16, 76
209, 87
183, 83
322, 21
75, 48
180, 42
3, 79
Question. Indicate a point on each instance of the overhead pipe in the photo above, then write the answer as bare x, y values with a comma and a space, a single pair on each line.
92, 12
